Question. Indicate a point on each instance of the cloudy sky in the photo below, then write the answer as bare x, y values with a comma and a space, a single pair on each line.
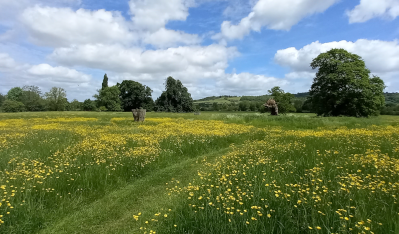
215, 47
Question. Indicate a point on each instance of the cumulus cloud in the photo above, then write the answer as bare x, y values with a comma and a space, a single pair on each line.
154, 14
273, 14
6, 62
380, 56
58, 74
368, 9
51, 26
164, 38
45, 76
203, 60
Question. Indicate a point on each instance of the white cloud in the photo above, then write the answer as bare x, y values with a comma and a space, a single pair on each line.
62, 26
200, 61
14, 74
6, 62
368, 9
58, 74
379, 56
152, 15
274, 14
164, 38
9, 10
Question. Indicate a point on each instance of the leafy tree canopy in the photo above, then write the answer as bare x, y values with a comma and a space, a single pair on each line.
15, 94
175, 98
89, 105
343, 86
283, 99
12, 106
32, 98
109, 98
56, 99
134, 95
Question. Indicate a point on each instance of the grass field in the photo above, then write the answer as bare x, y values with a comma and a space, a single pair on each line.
221, 100
95, 172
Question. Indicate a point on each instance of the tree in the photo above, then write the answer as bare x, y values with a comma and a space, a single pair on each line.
75, 105
12, 106
343, 86
89, 105
243, 106
2, 99
32, 98
109, 98
298, 103
215, 106
15, 94
283, 99
56, 99
175, 98
134, 95
105, 82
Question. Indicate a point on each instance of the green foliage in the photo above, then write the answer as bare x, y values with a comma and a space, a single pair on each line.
102, 108
298, 104
15, 94
215, 106
243, 106
134, 95
175, 98
105, 82
283, 99
56, 99
109, 97
343, 86
2, 99
262, 98
32, 98
89, 105
75, 105
12, 106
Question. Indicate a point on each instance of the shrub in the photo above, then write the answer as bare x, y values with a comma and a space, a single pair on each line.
13, 106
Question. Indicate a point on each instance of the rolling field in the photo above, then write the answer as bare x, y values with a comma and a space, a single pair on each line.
85, 172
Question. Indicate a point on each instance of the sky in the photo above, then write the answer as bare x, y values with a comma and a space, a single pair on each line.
214, 47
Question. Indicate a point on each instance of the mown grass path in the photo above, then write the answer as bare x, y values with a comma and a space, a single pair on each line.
113, 213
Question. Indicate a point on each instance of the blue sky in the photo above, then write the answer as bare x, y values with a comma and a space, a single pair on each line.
214, 47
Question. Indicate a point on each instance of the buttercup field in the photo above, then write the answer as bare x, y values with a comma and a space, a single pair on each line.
212, 173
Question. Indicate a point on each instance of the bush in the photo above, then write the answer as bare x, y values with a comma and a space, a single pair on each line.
13, 106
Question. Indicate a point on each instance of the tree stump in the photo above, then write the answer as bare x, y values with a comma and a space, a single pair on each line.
139, 115
272, 105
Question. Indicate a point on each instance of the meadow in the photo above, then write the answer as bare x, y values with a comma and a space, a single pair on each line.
96, 172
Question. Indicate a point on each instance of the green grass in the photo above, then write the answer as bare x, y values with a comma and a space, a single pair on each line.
101, 187
221, 100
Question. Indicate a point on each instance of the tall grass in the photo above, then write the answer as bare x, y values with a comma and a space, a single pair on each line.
52, 164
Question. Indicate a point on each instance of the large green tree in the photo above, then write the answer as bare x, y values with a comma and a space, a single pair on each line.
134, 95
89, 105
175, 98
56, 99
343, 86
283, 99
32, 98
15, 94
109, 98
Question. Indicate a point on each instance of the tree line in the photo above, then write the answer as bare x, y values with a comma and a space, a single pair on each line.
123, 96
343, 86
